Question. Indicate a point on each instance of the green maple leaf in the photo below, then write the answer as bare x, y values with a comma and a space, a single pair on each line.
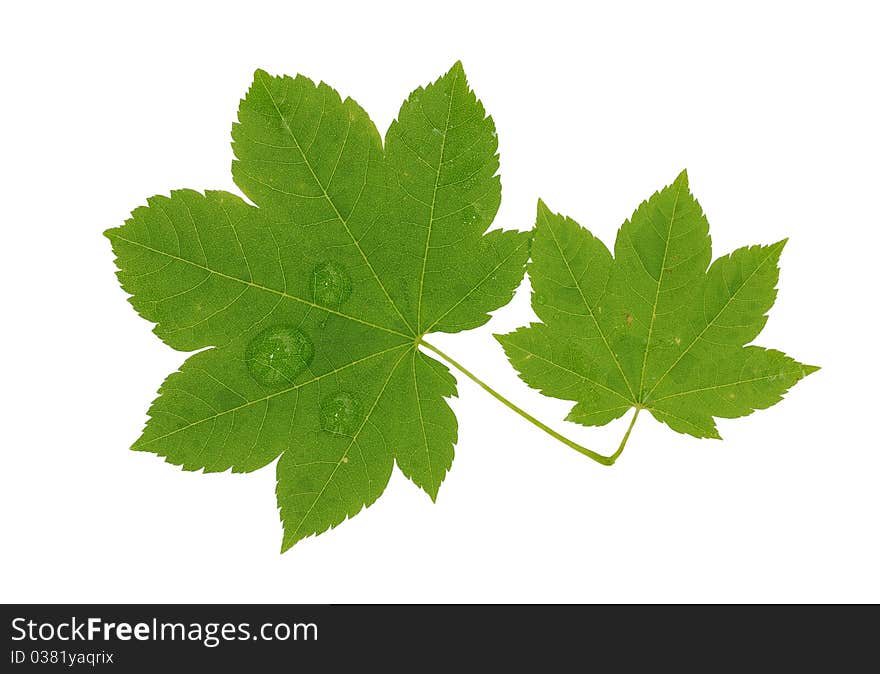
655, 326
315, 301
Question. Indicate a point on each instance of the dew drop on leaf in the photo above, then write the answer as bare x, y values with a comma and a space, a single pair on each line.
331, 284
340, 413
278, 354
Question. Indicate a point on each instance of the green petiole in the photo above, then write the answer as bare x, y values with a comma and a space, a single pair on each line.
595, 456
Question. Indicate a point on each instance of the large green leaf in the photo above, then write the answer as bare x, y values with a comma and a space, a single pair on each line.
314, 300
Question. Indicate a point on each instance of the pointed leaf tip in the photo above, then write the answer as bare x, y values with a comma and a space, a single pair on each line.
542, 207
456, 71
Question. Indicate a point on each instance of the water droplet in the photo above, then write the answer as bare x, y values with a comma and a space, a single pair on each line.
340, 413
331, 284
278, 354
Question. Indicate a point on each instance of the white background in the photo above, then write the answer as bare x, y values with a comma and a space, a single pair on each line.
772, 107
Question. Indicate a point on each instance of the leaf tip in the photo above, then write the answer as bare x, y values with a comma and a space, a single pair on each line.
289, 538
500, 337
682, 178
810, 369
543, 212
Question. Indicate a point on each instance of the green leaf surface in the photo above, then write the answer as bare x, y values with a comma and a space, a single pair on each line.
654, 326
314, 299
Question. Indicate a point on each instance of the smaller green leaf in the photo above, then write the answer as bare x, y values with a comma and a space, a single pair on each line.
652, 327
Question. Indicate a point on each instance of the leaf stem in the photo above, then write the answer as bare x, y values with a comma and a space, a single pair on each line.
632, 423
595, 456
